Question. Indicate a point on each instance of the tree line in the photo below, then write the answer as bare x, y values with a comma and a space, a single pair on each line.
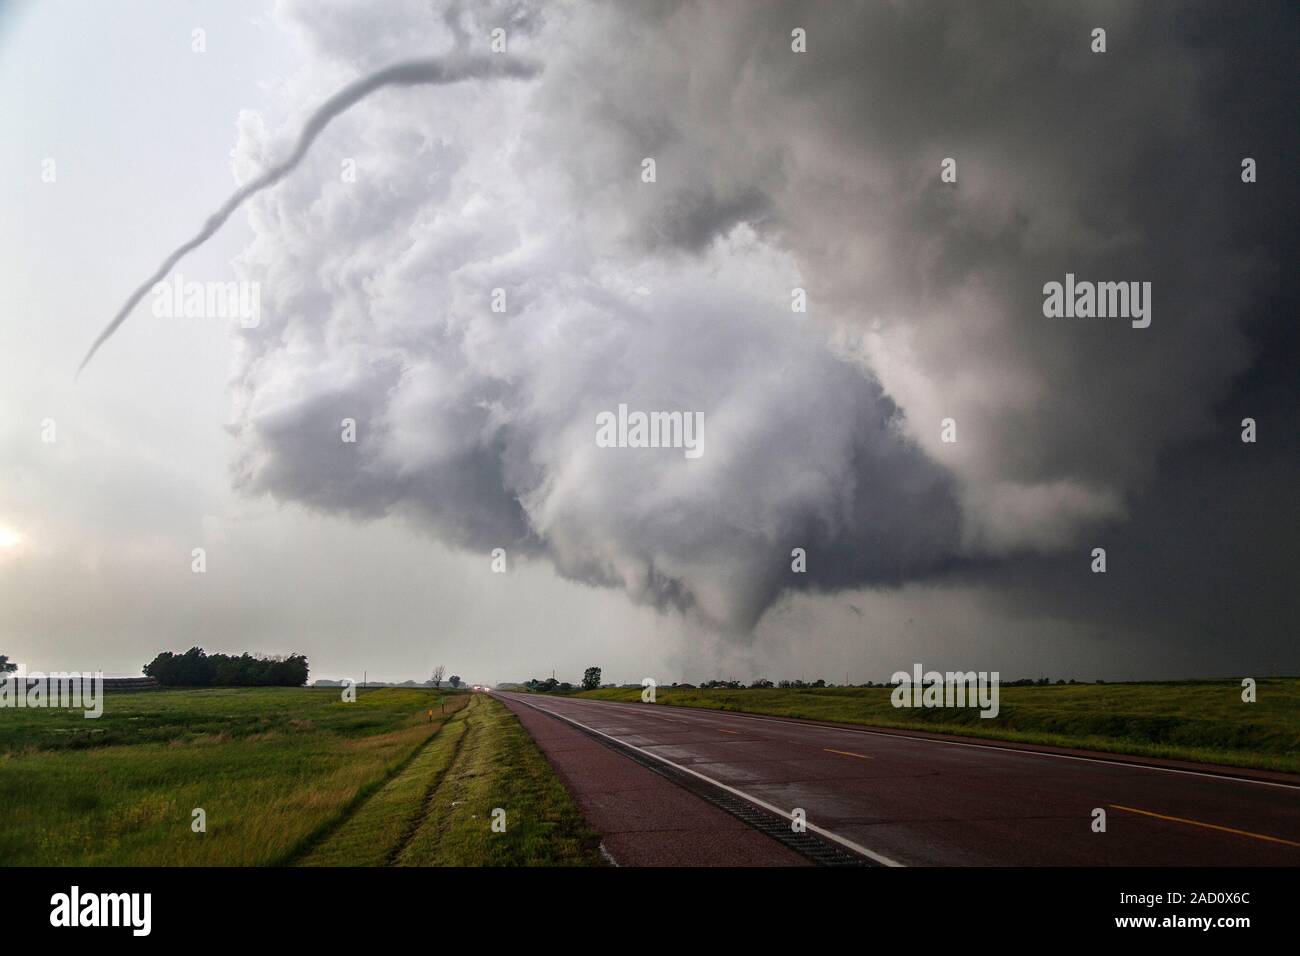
197, 668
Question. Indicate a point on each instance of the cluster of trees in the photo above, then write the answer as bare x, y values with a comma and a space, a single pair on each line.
1042, 682
6, 666
197, 668
590, 681
550, 685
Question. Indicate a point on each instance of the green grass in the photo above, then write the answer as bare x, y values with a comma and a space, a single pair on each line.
384, 823
1204, 721
272, 767
497, 765
285, 775
186, 715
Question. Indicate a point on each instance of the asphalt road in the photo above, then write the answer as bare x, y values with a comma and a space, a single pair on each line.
917, 801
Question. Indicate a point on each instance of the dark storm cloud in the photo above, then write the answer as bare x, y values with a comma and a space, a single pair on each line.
1203, 559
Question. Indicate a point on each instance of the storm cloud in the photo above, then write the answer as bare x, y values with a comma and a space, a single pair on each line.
775, 170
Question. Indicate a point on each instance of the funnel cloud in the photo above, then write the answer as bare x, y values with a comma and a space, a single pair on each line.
436, 71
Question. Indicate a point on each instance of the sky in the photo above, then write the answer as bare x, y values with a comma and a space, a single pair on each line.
379, 257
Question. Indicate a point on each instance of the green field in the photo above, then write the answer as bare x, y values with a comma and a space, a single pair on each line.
1192, 720
439, 809
284, 775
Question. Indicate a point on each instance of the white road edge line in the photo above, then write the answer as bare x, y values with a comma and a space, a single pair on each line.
1225, 778
855, 847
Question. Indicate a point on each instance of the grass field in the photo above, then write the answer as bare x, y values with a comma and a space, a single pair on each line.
1192, 720
279, 773
381, 826
498, 767
438, 811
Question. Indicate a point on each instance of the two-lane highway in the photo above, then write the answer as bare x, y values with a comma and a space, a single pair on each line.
912, 800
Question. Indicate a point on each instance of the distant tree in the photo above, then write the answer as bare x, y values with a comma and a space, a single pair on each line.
7, 667
591, 678
546, 686
436, 680
761, 682
454, 680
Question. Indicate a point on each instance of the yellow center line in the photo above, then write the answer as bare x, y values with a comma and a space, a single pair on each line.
725, 731
847, 754
1208, 826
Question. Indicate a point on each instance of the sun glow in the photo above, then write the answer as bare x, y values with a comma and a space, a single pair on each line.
9, 538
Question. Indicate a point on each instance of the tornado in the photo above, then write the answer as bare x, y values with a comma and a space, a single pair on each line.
437, 71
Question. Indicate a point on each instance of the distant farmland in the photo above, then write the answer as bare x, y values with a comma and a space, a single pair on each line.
1191, 720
